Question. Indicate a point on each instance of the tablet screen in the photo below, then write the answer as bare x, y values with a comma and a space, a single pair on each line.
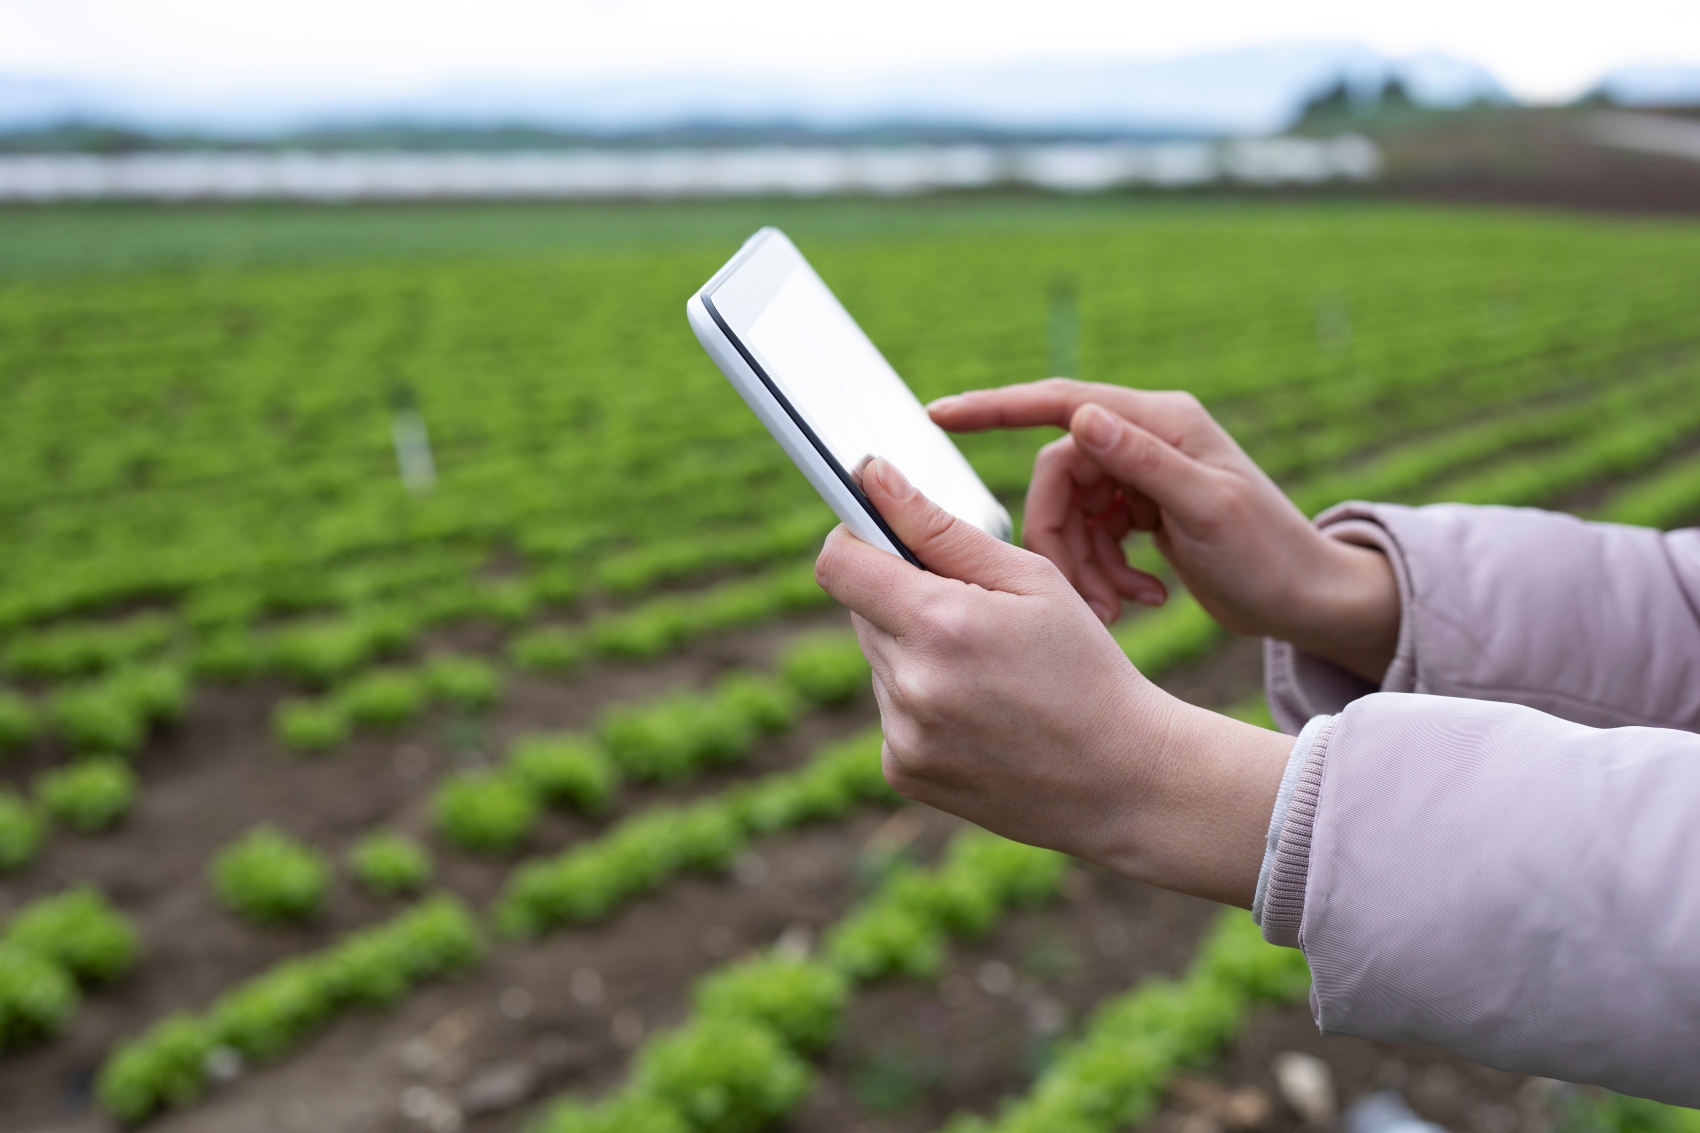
837, 381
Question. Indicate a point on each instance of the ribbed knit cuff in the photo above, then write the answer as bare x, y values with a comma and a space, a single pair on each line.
1302, 685
1280, 904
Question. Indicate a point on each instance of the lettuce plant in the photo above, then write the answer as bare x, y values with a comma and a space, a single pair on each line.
723, 1075
98, 718
84, 648
22, 829
159, 693
111, 715
228, 654
320, 651
622, 1113
587, 881
88, 795
485, 812
676, 736
827, 668
769, 705
469, 684
269, 878
565, 770
19, 723
387, 698
80, 931
37, 996
390, 864
266, 1016
800, 1000
547, 649
309, 726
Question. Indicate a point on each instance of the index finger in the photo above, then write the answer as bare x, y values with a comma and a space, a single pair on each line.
1173, 416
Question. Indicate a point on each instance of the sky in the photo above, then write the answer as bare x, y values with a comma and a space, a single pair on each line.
1541, 50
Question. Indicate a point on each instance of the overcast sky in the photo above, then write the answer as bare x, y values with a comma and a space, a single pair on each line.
1541, 49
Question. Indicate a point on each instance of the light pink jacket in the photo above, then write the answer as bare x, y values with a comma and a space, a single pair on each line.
1498, 851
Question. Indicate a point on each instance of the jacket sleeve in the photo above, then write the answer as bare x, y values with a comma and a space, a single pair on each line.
1492, 880
1591, 622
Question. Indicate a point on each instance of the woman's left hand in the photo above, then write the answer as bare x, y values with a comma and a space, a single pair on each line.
1004, 700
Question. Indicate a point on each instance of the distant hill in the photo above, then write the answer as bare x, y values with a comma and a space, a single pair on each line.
1248, 91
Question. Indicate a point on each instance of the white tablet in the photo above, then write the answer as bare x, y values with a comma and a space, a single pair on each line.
826, 393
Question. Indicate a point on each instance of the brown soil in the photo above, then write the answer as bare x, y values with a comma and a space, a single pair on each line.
220, 772
1527, 156
913, 1054
561, 1014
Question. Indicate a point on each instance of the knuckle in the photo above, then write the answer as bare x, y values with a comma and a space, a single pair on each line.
938, 525
899, 779
904, 748
1137, 456
1221, 510
903, 779
926, 695
916, 689
1183, 401
954, 624
1222, 497
1044, 575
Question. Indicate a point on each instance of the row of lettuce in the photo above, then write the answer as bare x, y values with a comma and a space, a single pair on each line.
741, 1061
128, 676
271, 1013
1619, 433
105, 719
52, 949
269, 877
318, 629
585, 453
253, 424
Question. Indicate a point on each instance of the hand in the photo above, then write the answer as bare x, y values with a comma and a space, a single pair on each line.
1006, 702
1141, 461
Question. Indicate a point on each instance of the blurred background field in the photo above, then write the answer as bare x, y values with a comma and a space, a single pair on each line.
234, 600
417, 711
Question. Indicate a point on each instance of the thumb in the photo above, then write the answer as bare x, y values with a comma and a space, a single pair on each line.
946, 545
1138, 458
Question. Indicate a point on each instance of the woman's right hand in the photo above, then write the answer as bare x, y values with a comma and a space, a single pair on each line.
1137, 460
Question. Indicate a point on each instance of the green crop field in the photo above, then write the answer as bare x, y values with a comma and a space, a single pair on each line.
305, 760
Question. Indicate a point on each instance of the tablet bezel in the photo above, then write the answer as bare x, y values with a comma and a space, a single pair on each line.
845, 482
820, 448
722, 313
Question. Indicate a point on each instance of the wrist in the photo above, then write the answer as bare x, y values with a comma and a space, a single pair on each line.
1201, 821
1348, 609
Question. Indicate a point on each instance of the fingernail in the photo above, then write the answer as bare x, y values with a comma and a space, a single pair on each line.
1094, 427
943, 403
892, 482
1101, 610
1150, 598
